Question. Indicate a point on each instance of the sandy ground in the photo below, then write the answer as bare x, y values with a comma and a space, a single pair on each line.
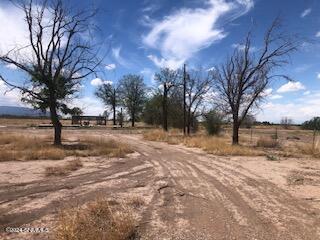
188, 194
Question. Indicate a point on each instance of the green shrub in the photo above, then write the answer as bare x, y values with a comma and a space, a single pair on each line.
213, 121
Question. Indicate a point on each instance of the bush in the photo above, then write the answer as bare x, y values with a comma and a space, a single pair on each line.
267, 143
313, 124
248, 121
100, 219
213, 122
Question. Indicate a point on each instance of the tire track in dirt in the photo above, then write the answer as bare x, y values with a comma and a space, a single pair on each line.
252, 208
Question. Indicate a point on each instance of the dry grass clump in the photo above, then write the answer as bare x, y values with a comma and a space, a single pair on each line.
210, 144
69, 167
100, 219
220, 146
19, 147
158, 135
103, 147
267, 143
136, 201
307, 149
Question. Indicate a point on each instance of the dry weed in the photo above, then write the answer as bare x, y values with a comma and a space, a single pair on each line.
210, 144
97, 220
267, 143
17, 147
69, 167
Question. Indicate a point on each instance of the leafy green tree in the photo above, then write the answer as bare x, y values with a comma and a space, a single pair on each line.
109, 95
313, 124
213, 121
133, 95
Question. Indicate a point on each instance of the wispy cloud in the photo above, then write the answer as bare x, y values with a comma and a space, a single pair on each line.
318, 34
242, 47
306, 12
111, 66
291, 87
276, 96
116, 53
185, 32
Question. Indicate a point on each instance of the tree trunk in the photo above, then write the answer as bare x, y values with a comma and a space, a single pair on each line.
188, 122
164, 108
114, 114
56, 125
235, 132
132, 119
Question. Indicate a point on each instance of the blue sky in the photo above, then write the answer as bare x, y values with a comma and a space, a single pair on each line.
143, 35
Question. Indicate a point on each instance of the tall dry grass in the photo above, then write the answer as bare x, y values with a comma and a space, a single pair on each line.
210, 144
100, 219
14, 146
63, 170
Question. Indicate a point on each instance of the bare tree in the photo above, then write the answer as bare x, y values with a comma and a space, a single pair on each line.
59, 56
243, 78
133, 95
109, 94
198, 87
168, 79
286, 122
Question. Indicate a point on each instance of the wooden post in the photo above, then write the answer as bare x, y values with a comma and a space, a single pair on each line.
184, 99
276, 135
251, 135
121, 118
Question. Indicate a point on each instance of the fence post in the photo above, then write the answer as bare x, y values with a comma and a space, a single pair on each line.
276, 134
251, 135
314, 140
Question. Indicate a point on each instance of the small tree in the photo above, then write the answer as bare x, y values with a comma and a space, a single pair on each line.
152, 113
198, 85
108, 93
313, 124
286, 122
243, 78
213, 121
58, 57
248, 121
168, 79
133, 91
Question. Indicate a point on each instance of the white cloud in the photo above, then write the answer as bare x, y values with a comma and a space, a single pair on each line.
13, 31
306, 12
11, 66
116, 52
148, 74
89, 105
299, 110
9, 98
306, 93
318, 75
291, 87
318, 34
162, 62
98, 81
180, 35
111, 66
242, 47
276, 96
267, 92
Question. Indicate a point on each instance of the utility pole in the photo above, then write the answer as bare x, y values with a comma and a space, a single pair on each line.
184, 99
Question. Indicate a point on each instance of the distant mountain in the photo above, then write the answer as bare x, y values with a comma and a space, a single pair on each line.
21, 112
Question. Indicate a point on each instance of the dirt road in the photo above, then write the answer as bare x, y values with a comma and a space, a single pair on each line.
188, 194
